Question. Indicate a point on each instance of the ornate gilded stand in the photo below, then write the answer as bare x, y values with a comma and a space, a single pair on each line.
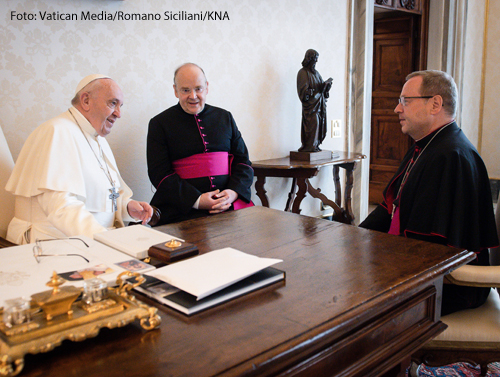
55, 315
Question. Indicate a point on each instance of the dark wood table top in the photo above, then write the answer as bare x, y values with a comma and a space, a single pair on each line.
339, 278
286, 163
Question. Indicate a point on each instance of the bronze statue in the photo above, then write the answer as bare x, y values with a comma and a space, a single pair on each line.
313, 93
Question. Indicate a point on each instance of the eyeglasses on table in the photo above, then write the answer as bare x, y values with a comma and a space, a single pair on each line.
38, 251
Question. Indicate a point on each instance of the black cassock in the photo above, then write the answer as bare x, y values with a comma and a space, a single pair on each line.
174, 135
446, 199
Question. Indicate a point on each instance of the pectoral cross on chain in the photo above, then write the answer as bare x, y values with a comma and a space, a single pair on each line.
113, 196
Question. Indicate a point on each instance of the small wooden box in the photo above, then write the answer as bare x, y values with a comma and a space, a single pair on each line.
167, 253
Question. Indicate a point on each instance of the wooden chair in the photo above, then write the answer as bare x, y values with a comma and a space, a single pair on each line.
472, 335
6, 198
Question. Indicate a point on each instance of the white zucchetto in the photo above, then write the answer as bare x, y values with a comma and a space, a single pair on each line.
88, 79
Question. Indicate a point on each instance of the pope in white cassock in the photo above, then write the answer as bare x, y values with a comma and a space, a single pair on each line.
65, 181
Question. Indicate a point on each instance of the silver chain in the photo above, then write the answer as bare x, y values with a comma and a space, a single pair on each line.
114, 194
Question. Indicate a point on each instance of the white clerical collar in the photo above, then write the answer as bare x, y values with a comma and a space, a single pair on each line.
83, 122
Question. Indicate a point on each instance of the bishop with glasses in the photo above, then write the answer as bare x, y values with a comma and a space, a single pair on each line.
441, 191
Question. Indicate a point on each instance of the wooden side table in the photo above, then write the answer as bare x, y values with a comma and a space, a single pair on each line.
301, 172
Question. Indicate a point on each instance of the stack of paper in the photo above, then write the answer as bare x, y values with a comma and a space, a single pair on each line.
209, 279
208, 273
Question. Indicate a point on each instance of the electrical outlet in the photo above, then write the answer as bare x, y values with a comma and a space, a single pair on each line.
336, 130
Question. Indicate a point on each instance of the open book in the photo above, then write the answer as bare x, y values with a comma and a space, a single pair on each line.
206, 280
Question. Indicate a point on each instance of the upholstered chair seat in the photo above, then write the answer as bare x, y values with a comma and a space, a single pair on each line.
474, 325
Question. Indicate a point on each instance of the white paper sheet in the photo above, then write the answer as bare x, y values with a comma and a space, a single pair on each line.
21, 275
208, 273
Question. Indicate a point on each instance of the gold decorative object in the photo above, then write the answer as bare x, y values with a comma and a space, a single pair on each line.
173, 243
55, 316
59, 300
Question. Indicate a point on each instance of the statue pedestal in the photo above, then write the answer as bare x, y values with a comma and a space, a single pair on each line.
312, 156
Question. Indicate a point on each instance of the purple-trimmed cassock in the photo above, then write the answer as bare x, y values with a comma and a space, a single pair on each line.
446, 199
191, 154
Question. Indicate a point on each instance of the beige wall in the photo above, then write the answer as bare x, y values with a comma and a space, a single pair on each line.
461, 51
470, 98
480, 91
251, 61
490, 149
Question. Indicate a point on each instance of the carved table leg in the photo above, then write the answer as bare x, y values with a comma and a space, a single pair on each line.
301, 194
291, 195
261, 191
338, 188
339, 213
349, 181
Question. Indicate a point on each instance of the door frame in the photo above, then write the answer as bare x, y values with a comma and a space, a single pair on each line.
447, 25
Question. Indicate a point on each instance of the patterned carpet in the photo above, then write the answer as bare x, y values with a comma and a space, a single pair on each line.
456, 370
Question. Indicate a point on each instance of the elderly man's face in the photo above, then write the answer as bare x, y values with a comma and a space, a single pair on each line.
105, 103
191, 87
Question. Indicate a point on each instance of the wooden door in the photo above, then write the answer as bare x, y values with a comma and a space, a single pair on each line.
397, 51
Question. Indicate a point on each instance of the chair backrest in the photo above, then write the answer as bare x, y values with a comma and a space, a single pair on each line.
6, 198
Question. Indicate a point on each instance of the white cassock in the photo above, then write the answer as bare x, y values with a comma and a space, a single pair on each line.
61, 189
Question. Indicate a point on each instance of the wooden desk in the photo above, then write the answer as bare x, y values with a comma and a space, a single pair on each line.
355, 303
301, 172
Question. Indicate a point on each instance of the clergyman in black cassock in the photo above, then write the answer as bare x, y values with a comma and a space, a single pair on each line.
197, 159
441, 191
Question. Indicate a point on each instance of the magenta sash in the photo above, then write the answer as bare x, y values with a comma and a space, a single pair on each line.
395, 225
203, 165
240, 204
207, 165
